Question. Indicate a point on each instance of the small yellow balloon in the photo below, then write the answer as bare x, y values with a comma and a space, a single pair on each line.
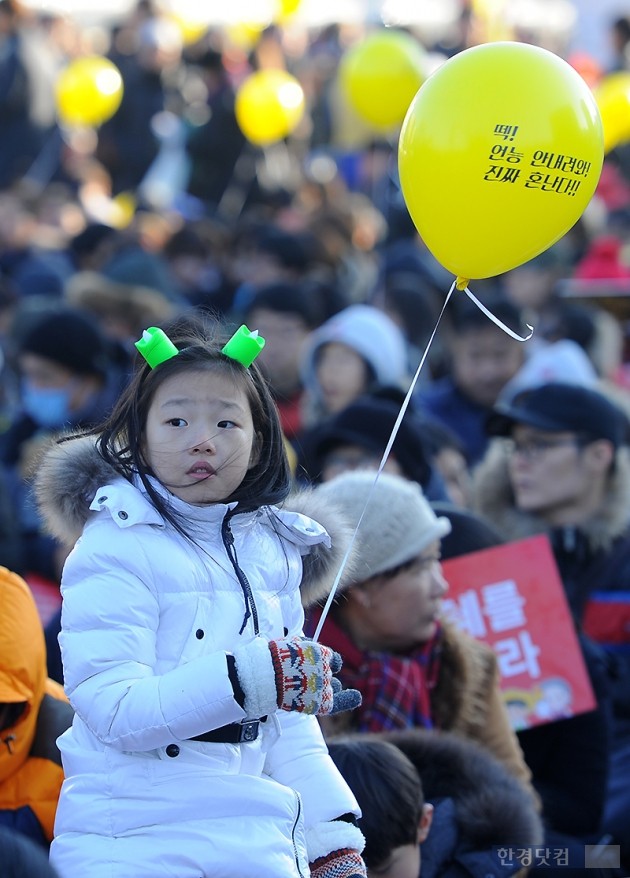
269, 106
244, 34
380, 76
612, 95
499, 154
123, 209
191, 29
286, 9
88, 91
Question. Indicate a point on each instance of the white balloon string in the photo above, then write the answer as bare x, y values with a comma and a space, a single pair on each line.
396, 427
496, 320
388, 447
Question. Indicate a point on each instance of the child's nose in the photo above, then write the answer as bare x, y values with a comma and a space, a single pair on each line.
205, 445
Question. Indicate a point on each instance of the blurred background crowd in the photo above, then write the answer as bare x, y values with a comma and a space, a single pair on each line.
169, 207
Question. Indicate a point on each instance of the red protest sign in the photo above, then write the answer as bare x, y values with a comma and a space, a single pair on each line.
511, 597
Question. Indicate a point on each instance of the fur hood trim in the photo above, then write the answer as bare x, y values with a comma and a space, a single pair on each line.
492, 807
69, 473
494, 499
322, 565
467, 668
67, 476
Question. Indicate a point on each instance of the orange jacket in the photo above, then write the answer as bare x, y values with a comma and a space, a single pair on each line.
30, 763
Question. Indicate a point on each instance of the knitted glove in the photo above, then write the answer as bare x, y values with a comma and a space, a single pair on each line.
346, 863
291, 674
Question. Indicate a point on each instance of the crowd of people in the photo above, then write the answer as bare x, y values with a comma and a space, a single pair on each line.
174, 674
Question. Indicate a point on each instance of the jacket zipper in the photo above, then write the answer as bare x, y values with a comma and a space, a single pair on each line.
295, 823
250, 605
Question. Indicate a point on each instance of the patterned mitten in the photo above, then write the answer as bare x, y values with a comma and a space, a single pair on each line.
346, 863
291, 674
334, 849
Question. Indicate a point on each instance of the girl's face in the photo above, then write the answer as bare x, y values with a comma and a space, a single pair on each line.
200, 439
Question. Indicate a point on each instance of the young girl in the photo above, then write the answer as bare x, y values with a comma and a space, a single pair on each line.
195, 749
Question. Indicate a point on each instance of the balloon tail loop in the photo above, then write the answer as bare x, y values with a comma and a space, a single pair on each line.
403, 408
496, 320
461, 283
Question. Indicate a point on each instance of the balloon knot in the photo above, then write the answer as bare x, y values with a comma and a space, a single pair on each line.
461, 283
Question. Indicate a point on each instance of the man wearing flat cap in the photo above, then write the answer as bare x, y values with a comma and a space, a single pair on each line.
560, 465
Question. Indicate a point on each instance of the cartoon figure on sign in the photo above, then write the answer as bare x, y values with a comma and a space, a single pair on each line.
556, 701
520, 704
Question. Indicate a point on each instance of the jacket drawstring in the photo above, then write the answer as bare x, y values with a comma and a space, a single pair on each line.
250, 605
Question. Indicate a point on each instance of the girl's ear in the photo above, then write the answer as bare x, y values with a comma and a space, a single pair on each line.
254, 456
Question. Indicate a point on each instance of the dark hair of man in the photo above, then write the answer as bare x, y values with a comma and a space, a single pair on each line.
388, 789
466, 316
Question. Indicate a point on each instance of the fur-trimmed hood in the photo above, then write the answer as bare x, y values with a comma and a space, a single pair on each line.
491, 806
494, 499
70, 472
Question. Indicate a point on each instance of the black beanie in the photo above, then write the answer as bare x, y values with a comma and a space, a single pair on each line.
368, 422
470, 532
70, 338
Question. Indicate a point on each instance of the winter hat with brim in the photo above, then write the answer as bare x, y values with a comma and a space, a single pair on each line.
560, 408
396, 521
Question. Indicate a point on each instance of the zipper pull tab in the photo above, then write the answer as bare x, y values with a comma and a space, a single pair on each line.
228, 536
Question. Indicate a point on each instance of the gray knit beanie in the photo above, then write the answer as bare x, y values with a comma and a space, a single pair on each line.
397, 525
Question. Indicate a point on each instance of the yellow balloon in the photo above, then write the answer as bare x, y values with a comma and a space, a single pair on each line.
612, 95
286, 9
380, 75
123, 209
269, 106
191, 29
499, 154
88, 91
244, 34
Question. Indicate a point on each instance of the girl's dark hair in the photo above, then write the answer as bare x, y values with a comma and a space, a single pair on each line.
120, 440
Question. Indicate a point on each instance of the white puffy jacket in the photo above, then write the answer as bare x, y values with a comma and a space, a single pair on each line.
147, 621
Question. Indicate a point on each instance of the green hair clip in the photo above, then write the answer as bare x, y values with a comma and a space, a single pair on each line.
244, 346
155, 346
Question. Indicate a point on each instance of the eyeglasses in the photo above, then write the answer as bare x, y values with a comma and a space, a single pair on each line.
534, 449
